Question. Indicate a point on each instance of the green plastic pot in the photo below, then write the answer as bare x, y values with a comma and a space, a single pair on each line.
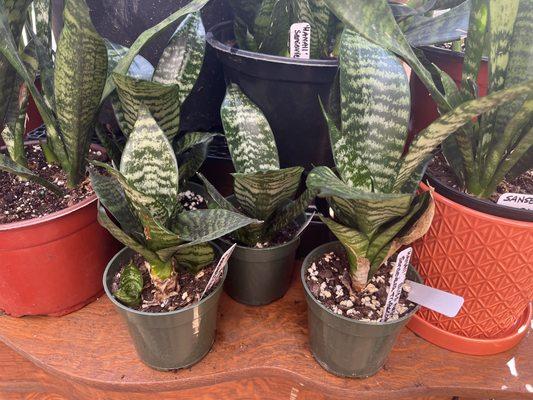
171, 340
343, 346
260, 276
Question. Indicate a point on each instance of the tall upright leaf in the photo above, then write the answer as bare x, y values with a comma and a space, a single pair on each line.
183, 57
80, 73
248, 134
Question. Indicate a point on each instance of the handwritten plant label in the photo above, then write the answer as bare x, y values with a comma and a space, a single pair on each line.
218, 269
397, 279
300, 40
437, 300
517, 200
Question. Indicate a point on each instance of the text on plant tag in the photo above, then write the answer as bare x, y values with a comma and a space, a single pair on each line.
300, 40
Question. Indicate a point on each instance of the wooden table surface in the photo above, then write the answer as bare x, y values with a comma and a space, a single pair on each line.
260, 352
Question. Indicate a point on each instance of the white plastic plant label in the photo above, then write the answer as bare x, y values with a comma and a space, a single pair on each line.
300, 40
517, 200
397, 279
434, 299
218, 269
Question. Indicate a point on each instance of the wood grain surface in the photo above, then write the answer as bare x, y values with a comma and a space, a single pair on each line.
260, 352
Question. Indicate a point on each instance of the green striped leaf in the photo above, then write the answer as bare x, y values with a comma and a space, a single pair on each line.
427, 140
130, 285
219, 201
122, 237
149, 164
200, 226
112, 197
250, 140
319, 27
182, 59
196, 257
289, 213
8, 165
160, 99
262, 193
137, 199
43, 47
79, 78
446, 27
375, 108
140, 68
355, 243
189, 140
245, 10
145, 37
191, 160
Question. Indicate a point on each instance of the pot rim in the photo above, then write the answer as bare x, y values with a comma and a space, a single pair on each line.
481, 206
115, 302
28, 223
216, 44
355, 321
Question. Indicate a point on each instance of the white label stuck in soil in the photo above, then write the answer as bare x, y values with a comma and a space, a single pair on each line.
300, 40
397, 279
517, 200
437, 300
218, 269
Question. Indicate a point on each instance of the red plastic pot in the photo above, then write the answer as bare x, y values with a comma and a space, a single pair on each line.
484, 258
53, 265
423, 108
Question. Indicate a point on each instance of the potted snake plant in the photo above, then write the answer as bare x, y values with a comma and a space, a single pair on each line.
260, 269
478, 157
51, 208
165, 282
375, 208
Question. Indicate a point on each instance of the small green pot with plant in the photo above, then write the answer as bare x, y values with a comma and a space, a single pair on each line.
162, 279
261, 267
375, 206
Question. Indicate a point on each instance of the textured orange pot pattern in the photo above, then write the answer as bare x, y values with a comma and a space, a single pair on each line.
486, 259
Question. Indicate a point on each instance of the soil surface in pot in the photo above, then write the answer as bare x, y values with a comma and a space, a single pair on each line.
191, 287
440, 169
192, 201
282, 237
23, 200
328, 279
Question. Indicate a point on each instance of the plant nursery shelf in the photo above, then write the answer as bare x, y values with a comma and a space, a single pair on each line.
260, 352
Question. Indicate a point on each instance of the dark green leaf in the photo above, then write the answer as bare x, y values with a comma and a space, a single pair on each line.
130, 285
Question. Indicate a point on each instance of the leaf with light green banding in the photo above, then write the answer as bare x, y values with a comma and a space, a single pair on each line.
136, 198
446, 27
79, 78
130, 285
140, 68
289, 213
148, 162
182, 59
355, 242
262, 193
145, 37
250, 140
113, 198
162, 101
245, 10
375, 109
8, 165
43, 47
196, 257
320, 27
201, 226
427, 140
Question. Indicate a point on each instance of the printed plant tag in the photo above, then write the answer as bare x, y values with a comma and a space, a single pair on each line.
300, 40
218, 269
397, 279
517, 200
434, 299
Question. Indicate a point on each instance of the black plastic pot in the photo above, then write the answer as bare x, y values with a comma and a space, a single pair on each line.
344, 346
170, 340
287, 91
481, 205
260, 276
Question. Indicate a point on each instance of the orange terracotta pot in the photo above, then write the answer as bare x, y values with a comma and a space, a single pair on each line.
486, 259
